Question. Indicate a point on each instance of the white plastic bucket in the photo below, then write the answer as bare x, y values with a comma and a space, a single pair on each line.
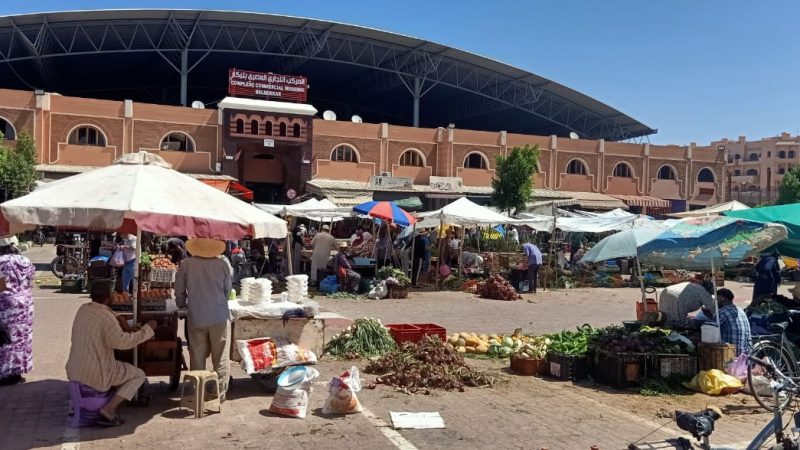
709, 333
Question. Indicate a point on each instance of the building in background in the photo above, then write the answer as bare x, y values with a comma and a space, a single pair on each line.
282, 150
754, 169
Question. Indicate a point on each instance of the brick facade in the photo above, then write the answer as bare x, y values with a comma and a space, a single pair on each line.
129, 127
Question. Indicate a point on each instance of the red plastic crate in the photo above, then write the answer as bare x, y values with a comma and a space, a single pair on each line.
431, 329
404, 332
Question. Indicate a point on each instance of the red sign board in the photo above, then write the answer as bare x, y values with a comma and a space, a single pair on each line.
245, 83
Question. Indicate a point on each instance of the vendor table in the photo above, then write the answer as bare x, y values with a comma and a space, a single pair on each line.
308, 333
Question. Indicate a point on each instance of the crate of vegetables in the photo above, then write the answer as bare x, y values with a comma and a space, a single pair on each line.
669, 365
619, 370
567, 367
566, 353
431, 329
163, 276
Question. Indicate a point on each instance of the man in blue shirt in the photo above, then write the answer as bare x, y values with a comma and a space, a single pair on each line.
734, 328
534, 261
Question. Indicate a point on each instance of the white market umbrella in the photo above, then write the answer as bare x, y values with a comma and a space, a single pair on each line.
139, 190
142, 188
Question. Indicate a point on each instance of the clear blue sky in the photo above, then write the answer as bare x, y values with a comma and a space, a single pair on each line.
696, 70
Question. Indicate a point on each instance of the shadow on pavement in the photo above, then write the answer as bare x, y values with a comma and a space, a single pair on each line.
33, 414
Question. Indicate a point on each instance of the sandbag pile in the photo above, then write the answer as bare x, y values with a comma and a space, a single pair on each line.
297, 287
255, 291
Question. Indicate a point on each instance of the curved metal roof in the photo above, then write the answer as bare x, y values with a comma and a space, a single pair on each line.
140, 55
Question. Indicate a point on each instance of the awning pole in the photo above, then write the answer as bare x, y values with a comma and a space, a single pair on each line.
137, 287
289, 242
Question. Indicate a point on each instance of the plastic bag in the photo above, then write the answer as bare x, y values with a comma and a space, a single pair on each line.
329, 285
714, 382
380, 291
264, 354
738, 368
118, 259
342, 391
294, 386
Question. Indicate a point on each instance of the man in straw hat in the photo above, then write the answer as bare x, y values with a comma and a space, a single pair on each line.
202, 286
344, 270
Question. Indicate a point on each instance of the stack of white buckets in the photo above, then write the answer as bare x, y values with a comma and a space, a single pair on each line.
297, 288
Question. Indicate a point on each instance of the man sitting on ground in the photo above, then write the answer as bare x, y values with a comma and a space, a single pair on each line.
96, 333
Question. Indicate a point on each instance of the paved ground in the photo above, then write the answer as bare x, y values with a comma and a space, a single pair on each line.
520, 412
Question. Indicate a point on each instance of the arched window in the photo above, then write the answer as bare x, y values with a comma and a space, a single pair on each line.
705, 176
737, 156
344, 153
412, 157
177, 141
781, 171
296, 130
791, 154
750, 172
753, 157
282, 129
623, 170
666, 173
268, 128
87, 135
781, 154
253, 126
239, 126
475, 160
769, 154
730, 159
577, 167
737, 172
735, 188
8, 130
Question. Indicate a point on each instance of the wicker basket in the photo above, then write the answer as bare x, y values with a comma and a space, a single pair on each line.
528, 366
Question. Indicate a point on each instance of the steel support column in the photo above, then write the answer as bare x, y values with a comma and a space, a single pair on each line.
417, 95
184, 76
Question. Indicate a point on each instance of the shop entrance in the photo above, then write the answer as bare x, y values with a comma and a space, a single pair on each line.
265, 174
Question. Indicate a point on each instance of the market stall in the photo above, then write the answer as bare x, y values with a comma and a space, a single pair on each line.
145, 195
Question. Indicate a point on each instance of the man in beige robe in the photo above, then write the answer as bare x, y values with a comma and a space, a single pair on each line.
322, 244
96, 333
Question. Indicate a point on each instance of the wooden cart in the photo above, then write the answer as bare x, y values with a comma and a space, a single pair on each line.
162, 356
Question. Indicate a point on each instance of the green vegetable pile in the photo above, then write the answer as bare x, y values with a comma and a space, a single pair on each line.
572, 343
341, 295
391, 272
367, 337
146, 260
453, 282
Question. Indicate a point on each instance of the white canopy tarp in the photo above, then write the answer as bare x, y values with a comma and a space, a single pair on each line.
142, 188
317, 210
615, 220
710, 210
464, 212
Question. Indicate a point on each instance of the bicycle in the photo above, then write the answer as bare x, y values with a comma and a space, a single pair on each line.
778, 349
701, 424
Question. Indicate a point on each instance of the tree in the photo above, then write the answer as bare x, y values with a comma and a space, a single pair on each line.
789, 190
17, 167
513, 181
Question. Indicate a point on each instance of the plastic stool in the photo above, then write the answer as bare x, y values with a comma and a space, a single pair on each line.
201, 378
85, 403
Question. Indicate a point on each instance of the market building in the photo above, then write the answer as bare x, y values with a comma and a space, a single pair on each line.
755, 169
274, 147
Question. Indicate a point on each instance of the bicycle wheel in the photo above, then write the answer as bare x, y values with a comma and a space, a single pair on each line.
63, 265
783, 360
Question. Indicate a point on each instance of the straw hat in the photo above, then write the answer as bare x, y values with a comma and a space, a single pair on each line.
795, 291
205, 248
343, 245
9, 240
